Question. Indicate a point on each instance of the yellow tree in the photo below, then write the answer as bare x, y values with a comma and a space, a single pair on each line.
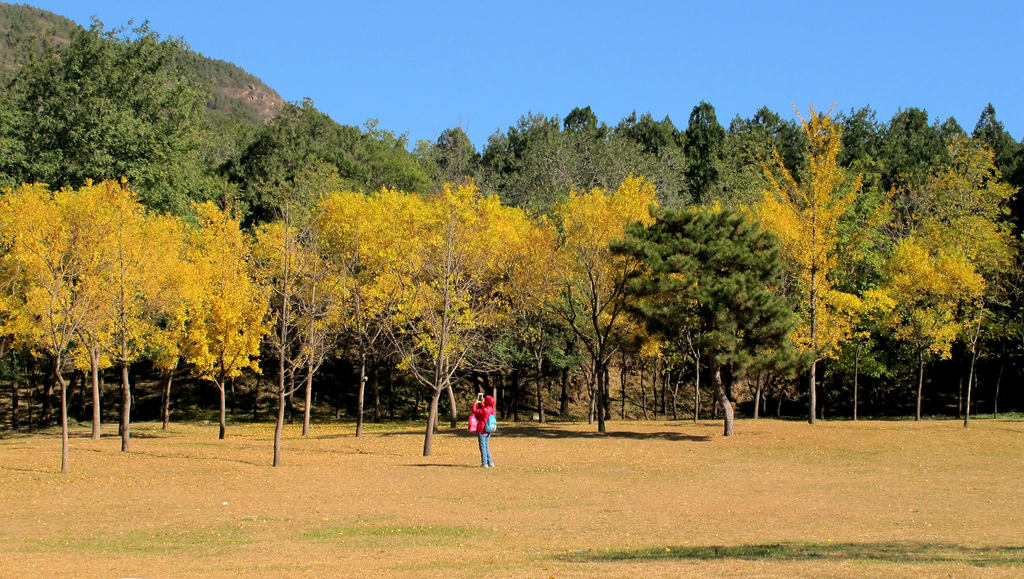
228, 317
369, 242
921, 293
963, 214
449, 286
529, 287
52, 245
143, 252
806, 216
593, 279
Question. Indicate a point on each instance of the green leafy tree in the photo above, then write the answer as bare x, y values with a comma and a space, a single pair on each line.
111, 105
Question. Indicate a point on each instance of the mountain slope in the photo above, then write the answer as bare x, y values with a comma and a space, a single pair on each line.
26, 30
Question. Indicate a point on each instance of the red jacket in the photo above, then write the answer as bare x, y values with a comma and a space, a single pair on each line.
482, 411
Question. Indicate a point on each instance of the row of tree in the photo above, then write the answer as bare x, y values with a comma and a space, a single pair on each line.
894, 242
457, 278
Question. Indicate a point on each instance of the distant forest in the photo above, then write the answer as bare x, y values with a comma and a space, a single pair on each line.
893, 246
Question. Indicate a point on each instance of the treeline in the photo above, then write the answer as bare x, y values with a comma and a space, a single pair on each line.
836, 262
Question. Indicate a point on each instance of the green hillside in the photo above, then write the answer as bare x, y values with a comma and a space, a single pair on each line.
26, 30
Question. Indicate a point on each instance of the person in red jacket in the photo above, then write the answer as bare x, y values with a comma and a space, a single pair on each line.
483, 408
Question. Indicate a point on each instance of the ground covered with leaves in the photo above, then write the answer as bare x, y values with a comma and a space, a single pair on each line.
645, 499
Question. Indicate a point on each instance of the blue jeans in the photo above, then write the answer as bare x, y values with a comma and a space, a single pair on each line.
485, 449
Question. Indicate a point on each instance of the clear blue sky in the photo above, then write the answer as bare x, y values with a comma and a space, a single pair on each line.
421, 67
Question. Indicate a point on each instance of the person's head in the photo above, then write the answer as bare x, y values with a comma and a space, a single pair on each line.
488, 400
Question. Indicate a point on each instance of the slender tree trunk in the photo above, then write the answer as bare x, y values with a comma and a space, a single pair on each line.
63, 417
165, 406
428, 439
362, 393
563, 399
126, 409
94, 362
974, 358
675, 395
856, 375
599, 397
221, 389
643, 393
307, 410
722, 398
15, 399
454, 422
757, 396
920, 383
623, 379
999, 378
696, 392
540, 389
279, 425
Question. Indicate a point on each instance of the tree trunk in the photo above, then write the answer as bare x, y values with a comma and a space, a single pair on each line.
63, 417
696, 392
221, 390
920, 383
279, 425
14, 405
428, 439
974, 358
675, 395
362, 394
454, 422
856, 375
307, 410
722, 398
643, 392
812, 386
757, 396
94, 362
999, 378
622, 385
599, 394
540, 389
563, 399
165, 406
126, 409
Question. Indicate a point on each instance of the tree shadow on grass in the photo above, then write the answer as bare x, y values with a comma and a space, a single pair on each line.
992, 556
554, 432
536, 431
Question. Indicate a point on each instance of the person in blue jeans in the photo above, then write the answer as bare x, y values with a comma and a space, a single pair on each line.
483, 408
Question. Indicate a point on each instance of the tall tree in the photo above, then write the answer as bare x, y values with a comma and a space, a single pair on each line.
52, 241
229, 320
705, 139
806, 217
722, 274
593, 279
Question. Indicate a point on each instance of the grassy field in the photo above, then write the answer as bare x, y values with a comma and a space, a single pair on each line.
650, 499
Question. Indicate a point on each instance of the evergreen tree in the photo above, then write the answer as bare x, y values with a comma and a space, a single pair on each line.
718, 270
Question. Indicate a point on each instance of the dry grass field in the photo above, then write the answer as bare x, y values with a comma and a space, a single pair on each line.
648, 499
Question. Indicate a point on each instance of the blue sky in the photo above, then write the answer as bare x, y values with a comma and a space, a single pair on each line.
421, 67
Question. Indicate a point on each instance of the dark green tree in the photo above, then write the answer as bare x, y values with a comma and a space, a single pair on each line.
910, 148
451, 159
705, 139
717, 271
111, 104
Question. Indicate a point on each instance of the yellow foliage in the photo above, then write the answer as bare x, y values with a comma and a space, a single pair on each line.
805, 217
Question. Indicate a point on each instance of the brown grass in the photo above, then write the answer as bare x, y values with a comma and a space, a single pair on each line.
647, 499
